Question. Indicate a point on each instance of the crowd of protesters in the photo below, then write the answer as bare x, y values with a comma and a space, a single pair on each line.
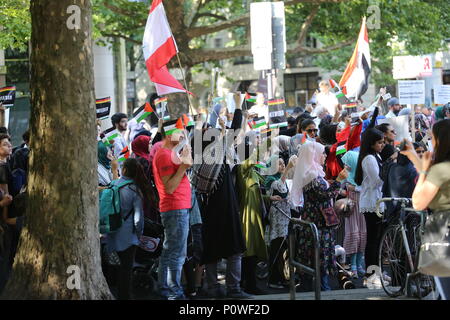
235, 204
242, 204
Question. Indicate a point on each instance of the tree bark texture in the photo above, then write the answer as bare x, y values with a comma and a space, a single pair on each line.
61, 228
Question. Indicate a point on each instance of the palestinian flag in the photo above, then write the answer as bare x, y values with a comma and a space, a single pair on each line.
341, 148
124, 154
8, 96
143, 112
103, 107
356, 75
110, 134
249, 98
172, 126
261, 165
188, 120
258, 123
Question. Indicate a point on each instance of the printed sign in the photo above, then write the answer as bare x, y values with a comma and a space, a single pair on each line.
277, 117
103, 107
442, 94
411, 92
8, 96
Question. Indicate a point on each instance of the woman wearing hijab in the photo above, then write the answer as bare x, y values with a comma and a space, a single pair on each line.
141, 149
355, 225
311, 191
107, 167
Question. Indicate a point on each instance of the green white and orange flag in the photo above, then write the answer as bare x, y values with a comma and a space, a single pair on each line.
261, 165
143, 112
124, 154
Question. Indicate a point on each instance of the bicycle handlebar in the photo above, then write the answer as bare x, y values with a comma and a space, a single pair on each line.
404, 202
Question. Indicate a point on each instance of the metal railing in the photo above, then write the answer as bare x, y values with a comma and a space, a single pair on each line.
315, 273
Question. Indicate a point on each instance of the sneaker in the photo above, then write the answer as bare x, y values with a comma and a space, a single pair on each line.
353, 274
238, 294
277, 285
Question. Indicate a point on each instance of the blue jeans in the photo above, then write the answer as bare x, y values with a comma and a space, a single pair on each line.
173, 255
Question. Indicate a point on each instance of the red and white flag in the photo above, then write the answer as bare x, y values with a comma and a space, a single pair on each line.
159, 47
355, 79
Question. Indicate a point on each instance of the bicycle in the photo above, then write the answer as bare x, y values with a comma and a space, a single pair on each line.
399, 252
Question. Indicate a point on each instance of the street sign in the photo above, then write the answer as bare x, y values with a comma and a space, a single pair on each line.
261, 34
268, 33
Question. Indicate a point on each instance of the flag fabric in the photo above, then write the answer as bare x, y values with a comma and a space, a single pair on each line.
261, 165
124, 154
110, 134
143, 112
341, 148
8, 96
250, 98
172, 126
258, 123
159, 47
356, 76
103, 107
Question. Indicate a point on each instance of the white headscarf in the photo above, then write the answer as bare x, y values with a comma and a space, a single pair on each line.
307, 169
280, 144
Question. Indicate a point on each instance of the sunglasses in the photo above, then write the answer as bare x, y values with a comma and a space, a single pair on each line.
420, 151
312, 130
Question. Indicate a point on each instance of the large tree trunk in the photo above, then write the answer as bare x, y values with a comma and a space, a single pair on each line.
62, 217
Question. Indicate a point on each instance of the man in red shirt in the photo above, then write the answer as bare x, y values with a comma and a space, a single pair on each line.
174, 190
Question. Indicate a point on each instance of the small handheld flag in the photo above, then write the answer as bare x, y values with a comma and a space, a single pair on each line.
143, 112
110, 134
8, 96
161, 108
103, 107
124, 154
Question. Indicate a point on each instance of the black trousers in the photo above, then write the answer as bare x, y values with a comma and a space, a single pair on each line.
249, 273
374, 230
276, 261
125, 272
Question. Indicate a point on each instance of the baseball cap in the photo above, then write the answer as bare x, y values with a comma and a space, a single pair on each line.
393, 101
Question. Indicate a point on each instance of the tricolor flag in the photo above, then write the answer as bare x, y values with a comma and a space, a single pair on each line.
250, 98
161, 108
124, 154
356, 76
8, 96
143, 112
159, 47
110, 134
103, 107
258, 123
261, 165
341, 148
173, 126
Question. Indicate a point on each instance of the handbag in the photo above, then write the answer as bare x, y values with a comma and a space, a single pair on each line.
330, 216
345, 207
434, 255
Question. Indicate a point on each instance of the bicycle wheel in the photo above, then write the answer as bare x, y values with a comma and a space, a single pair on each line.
393, 261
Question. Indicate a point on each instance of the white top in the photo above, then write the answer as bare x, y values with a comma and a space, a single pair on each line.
390, 114
328, 101
371, 186
261, 111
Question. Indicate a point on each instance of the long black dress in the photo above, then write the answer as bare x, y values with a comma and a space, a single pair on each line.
222, 230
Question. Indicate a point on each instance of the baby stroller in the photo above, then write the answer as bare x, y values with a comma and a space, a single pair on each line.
145, 276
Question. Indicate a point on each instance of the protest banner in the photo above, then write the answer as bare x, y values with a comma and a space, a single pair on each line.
8, 96
277, 116
441, 94
411, 91
401, 127
103, 107
161, 109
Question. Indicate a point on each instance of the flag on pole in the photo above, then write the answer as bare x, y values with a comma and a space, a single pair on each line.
356, 76
258, 123
250, 98
172, 126
143, 112
161, 108
110, 134
159, 47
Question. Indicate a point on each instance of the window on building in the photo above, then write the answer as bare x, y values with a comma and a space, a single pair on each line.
299, 88
446, 77
217, 43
